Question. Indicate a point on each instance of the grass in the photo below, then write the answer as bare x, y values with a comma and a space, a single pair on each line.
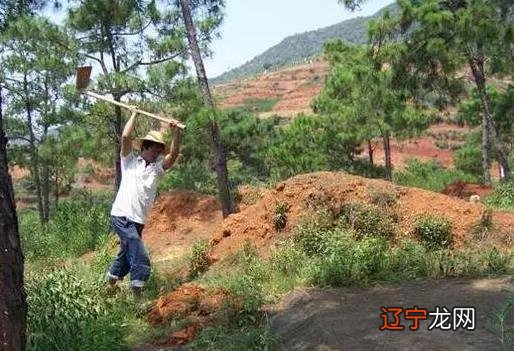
69, 307
260, 105
502, 198
430, 175
79, 225
325, 255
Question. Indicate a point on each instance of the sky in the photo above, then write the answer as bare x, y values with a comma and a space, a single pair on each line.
252, 26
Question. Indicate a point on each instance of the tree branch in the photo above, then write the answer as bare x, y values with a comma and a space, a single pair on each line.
153, 62
9, 137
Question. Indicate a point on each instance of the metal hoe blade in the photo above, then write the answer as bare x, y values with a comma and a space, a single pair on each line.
83, 74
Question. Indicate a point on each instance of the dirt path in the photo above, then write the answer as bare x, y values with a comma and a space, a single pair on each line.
349, 318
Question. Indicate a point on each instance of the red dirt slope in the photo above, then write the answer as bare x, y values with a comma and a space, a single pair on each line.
302, 193
179, 218
294, 87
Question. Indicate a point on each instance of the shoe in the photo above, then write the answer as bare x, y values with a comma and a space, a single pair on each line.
111, 278
112, 281
137, 291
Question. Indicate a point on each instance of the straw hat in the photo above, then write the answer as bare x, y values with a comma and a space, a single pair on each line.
154, 136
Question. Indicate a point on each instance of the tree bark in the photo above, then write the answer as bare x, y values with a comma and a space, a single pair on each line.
45, 188
370, 152
34, 161
387, 156
56, 189
13, 306
490, 135
220, 159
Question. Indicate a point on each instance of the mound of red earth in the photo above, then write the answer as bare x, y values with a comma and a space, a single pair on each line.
189, 302
179, 218
464, 190
302, 194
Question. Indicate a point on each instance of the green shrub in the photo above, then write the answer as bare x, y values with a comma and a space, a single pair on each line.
501, 325
366, 169
260, 105
382, 198
442, 144
434, 232
192, 175
280, 216
367, 220
407, 261
485, 225
502, 197
256, 336
311, 238
497, 261
368, 259
77, 226
68, 313
468, 159
458, 263
199, 260
287, 258
430, 175
348, 261
309, 144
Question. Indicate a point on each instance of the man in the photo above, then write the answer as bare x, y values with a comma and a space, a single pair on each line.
139, 181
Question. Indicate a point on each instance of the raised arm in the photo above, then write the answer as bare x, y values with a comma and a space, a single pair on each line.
171, 157
126, 136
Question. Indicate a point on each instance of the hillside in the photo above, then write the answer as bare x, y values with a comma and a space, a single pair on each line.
285, 92
302, 47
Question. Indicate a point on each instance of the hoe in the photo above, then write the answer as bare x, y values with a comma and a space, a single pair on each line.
83, 75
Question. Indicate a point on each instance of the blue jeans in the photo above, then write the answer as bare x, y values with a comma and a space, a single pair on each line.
132, 256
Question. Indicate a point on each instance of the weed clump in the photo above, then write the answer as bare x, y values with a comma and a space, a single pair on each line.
280, 216
435, 232
367, 220
199, 260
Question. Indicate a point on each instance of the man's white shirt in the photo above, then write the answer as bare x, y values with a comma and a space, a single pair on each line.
137, 189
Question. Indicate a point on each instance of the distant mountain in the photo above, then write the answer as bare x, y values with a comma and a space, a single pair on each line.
300, 47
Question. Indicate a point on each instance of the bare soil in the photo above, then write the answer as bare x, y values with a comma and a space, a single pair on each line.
350, 318
304, 193
189, 302
178, 219
294, 87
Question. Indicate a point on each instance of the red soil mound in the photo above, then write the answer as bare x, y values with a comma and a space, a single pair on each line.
464, 190
303, 193
178, 219
191, 302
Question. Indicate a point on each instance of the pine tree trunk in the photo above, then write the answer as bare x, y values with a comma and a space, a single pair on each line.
56, 190
46, 192
45, 188
220, 160
490, 135
13, 306
387, 155
34, 161
370, 152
